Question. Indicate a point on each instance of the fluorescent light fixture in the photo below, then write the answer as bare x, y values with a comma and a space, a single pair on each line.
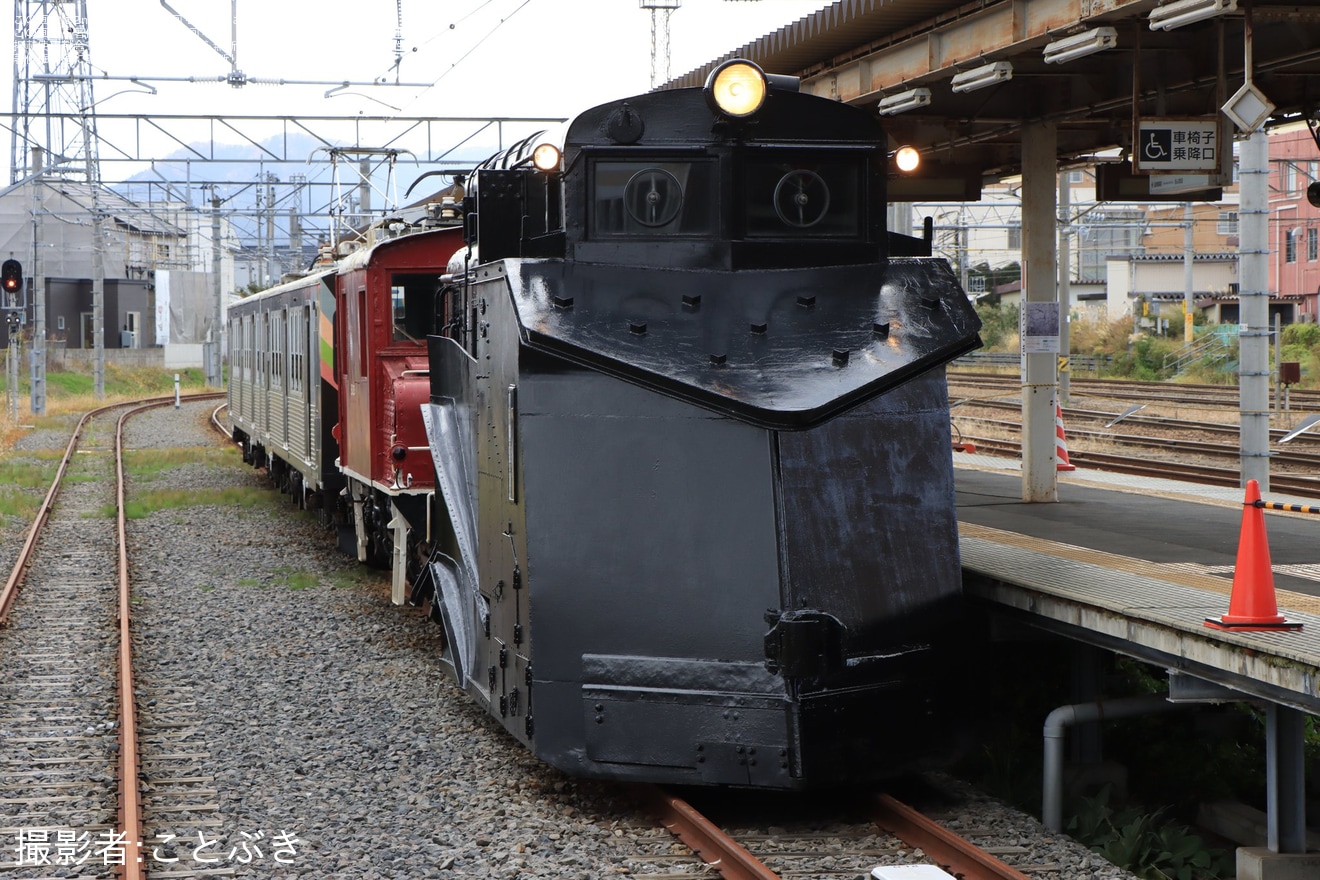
980, 77
1181, 12
909, 100
1079, 45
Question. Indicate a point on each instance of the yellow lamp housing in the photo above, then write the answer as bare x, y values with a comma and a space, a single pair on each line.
736, 88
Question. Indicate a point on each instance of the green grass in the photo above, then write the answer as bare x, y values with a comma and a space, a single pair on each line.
27, 474
292, 578
147, 503
297, 580
148, 464
19, 504
353, 577
120, 381
23, 484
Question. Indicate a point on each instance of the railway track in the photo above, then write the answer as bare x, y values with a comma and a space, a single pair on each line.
1161, 445
1157, 468
890, 834
71, 775
1133, 391
185, 810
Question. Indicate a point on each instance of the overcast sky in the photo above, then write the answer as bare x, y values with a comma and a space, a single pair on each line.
477, 57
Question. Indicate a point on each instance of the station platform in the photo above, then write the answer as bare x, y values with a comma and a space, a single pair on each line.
1145, 561
1136, 565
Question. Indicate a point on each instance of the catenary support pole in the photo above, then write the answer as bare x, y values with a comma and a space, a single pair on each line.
1254, 297
1065, 285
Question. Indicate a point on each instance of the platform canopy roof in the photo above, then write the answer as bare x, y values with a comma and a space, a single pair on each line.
861, 51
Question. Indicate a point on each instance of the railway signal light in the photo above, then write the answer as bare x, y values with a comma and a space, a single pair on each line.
11, 276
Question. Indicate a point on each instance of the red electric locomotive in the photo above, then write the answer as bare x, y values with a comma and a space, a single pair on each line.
328, 378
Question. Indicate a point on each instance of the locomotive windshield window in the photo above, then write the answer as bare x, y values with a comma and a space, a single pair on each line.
789, 198
652, 199
412, 299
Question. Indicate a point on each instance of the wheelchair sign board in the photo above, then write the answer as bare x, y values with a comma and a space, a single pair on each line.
1177, 145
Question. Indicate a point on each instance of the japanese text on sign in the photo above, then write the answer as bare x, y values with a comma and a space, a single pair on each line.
1177, 145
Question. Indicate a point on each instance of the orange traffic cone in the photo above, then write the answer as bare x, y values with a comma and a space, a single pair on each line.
1251, 607
1061, 443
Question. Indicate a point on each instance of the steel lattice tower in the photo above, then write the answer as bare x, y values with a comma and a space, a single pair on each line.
53, 106
660, 10
54, 110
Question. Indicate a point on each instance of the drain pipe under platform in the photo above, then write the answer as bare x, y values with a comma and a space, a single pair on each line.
1057, 723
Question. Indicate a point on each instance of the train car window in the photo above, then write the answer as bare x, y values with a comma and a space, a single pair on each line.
804, 199
297, 349
653, 199
264, 352
356, 324
413, 299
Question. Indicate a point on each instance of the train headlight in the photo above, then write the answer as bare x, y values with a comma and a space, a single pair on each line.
546, 158
907, 159
399, 453
737, 88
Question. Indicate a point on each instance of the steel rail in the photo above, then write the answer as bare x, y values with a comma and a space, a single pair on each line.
947, 849
703, 837
24, 560
10, 590
130, 806
130, 762
1169, 392
1164, 422
1172, 470
130, 810
215, 421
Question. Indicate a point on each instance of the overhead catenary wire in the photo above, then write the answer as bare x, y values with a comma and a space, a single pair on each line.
475, 46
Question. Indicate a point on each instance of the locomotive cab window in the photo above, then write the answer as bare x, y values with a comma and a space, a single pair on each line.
413, 302
653, 199
804, 198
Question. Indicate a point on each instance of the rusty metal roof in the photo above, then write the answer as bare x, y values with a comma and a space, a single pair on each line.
860, 51
837, 31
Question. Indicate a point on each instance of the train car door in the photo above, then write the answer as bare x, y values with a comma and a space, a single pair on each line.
279, 403
356, 422
299, 399
263, 375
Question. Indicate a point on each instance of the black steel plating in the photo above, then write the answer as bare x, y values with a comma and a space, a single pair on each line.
699, 385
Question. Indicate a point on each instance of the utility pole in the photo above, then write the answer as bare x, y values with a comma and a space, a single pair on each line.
1189, 276
37, 284
213, 368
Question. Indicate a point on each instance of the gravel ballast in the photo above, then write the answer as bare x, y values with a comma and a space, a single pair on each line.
334, 740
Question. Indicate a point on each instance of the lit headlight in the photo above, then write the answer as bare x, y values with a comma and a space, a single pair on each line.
907, 159
546, 158
737, 88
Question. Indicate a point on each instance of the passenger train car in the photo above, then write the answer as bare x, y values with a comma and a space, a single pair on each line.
658, 431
